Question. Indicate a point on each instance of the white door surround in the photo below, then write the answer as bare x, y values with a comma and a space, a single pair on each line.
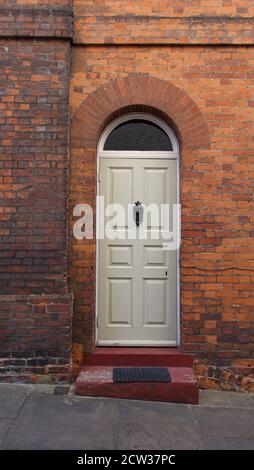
137, 162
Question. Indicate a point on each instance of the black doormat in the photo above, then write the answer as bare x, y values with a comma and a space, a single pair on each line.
141, 374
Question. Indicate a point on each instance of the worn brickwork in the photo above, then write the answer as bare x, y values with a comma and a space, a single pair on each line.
35, 21
34, 125
164, 22
164, 30
35, 3
164, 7
190, 62
35, 318
217, 271
35, 337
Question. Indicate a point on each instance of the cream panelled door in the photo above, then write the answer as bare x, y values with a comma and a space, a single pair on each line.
137, 288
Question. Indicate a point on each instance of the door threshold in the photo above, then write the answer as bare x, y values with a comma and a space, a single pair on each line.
123, 349
137, 344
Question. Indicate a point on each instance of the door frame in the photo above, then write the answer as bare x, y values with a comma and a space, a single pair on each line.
174, 155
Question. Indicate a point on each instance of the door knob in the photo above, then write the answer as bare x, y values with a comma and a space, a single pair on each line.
138, 212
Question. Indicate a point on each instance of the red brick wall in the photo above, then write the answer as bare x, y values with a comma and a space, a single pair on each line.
164, 7
35, 319
36, 19
160, 21
217, 271
205, 48
35, 3
34, 125
35, 337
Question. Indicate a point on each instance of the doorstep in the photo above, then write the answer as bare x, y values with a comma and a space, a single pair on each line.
140, 357
97, 381
96, 377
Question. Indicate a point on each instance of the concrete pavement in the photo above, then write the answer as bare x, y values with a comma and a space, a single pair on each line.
51, 417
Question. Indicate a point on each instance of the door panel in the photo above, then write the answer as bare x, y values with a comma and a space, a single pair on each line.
120, 186
120, 255
154, 256
137, 278
155, 302
119, 305
155, 181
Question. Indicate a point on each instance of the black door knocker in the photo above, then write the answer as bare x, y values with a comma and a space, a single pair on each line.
138, 212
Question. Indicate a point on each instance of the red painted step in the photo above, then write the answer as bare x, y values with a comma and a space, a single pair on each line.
97, 381
146, 357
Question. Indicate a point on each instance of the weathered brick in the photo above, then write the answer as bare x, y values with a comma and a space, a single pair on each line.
206, 93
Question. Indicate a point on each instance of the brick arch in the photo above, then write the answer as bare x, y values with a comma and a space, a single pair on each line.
115, 98
140, 93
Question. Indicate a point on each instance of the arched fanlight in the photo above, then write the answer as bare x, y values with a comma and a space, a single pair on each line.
138, 134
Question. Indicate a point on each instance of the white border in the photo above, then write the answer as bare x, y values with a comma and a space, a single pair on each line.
174, 154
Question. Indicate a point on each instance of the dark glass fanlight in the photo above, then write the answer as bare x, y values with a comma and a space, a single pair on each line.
138, 134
